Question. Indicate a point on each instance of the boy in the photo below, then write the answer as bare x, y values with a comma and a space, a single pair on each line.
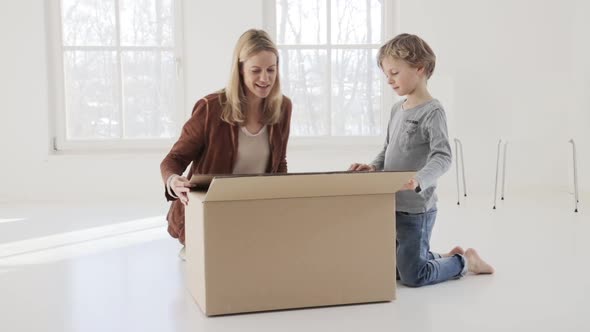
417, 139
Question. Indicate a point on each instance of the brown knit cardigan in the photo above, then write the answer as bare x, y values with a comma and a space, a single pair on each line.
211, 144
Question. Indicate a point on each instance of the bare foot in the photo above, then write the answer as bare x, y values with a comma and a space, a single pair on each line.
454, 251
476, 264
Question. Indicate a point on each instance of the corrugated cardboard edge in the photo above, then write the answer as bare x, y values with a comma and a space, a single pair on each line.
195, 248
305, 185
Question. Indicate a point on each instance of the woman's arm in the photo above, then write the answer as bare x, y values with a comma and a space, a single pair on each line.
189, 146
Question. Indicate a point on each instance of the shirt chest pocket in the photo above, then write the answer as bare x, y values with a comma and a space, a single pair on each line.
410, 135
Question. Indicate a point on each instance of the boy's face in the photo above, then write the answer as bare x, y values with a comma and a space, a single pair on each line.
259, 73
402, 77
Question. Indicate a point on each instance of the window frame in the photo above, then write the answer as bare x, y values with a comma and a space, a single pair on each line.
389, 27
58, 141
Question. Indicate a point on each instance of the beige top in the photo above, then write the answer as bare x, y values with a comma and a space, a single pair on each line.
253, 152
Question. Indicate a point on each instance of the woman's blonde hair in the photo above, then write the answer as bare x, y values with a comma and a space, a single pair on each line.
251, 43
411, 49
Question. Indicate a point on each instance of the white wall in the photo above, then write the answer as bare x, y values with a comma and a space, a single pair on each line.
513, 69
516, 70
29, 171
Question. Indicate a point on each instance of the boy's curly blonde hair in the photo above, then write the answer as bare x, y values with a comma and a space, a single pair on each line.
411, 49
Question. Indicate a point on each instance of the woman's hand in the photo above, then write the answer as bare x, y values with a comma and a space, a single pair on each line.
361, 167
181, 187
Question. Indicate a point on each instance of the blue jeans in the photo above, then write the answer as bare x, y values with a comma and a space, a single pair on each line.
417, 266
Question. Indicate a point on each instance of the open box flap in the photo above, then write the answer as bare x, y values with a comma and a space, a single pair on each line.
276, 186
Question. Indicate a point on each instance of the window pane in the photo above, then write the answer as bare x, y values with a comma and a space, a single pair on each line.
307, 88
301, 21
88, 22
356, 93
92, 95
149, 80
146, 22
356, 21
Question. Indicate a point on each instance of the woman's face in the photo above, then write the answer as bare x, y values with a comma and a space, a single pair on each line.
259, 73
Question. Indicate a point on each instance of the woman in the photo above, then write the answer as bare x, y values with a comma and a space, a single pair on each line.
241, 129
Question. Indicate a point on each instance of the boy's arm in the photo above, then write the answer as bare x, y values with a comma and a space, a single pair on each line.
379, 161
440, 157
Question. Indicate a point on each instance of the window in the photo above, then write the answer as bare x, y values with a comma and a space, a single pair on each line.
328, 64
117, 80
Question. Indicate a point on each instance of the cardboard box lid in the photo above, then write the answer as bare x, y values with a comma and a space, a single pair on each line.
292, 185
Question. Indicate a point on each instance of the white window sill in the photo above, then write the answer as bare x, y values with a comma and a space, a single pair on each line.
133, 149
344, 142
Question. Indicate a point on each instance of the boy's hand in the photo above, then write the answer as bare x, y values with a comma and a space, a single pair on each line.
410, 185
361, 167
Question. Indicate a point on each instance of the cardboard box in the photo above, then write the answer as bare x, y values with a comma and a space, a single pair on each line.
256, 243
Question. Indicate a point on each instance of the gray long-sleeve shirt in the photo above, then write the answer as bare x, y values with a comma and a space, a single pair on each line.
417, 140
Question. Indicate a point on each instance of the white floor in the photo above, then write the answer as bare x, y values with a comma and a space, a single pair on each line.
114, 268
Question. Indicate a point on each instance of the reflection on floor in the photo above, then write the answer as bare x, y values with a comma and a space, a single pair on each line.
114, 268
